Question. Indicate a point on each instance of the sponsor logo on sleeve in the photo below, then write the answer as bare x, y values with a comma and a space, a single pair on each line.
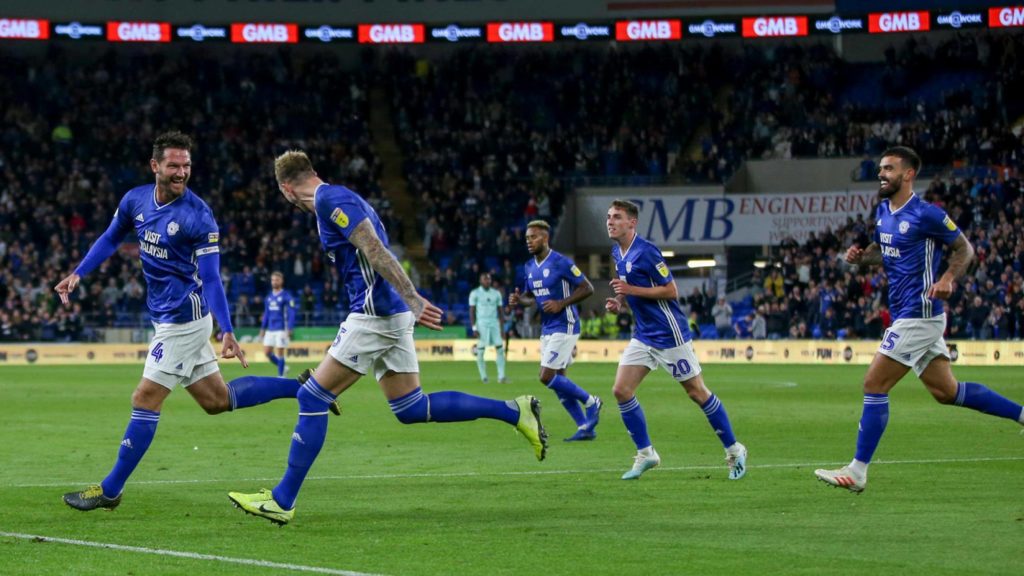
339, 217
949, 223
662, 269
576, 271
213, 238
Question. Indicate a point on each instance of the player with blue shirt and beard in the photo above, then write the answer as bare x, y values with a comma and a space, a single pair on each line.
278, 322
179, 248
661, 337
908, 242
377, 336
555, 284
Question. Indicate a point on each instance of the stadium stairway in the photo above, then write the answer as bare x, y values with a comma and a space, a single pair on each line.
393, 180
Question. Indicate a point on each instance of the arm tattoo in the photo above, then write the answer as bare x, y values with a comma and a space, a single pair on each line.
872, 255
384, 263
960, 256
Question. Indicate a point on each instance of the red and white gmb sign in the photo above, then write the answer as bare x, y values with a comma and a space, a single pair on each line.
1006, 17
24, 29
886, 22
257, 33
633, 30
520, 32
138, 32
774, 26
391, 33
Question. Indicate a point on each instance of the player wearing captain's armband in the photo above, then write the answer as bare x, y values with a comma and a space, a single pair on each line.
661, 337
179, 245
909, 240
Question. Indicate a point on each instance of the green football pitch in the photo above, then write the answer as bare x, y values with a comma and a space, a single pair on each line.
944, 495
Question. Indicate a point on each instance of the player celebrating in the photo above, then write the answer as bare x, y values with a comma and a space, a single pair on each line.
907, 230
178, 245
278, 322
661, 337
377, 336
485, 316
556, 284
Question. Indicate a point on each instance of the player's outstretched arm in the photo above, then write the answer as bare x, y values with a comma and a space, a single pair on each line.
364, 237
213, 290
961, 253
103, 248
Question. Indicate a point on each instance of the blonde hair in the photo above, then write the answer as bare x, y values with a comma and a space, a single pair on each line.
539, 224
293, 166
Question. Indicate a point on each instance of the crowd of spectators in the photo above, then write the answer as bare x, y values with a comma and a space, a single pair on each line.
809, 291
491, 137
69, 152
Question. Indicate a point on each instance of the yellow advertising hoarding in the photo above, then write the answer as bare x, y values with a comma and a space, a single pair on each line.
966, 353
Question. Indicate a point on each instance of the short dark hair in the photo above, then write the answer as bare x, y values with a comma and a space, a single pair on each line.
173, 139
906, 155
631, 209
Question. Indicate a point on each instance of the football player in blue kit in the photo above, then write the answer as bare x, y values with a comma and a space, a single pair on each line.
909, 240
180, 251
278, 322
661, 337
377, 336
556, 285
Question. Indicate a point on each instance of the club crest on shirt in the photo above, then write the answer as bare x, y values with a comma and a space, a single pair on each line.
662, 269
547, 272
629, 267
576, 271
949, 223
904, 226
339, 217
172, 228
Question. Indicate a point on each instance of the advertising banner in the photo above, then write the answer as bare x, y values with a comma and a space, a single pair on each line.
829, 352
673, 219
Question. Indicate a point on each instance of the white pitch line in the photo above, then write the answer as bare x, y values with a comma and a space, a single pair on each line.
524, 473
189, 555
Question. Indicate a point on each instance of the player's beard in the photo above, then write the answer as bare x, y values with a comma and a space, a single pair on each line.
890, 188
167, 185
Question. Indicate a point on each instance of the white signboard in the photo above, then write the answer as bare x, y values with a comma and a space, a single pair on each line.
672, 218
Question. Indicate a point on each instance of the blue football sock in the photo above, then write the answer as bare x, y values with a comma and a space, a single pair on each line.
281, 365
636, 423
563, 386
255, 390
416, 407
872, 424
572, 406
137, 438
981, 398
719, 420
274, 359
307, 440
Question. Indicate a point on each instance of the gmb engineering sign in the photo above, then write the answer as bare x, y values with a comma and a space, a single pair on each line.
673, 218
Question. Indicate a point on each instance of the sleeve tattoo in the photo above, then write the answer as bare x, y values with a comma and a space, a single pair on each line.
364, 238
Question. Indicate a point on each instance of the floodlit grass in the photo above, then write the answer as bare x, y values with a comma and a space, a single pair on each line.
944, 496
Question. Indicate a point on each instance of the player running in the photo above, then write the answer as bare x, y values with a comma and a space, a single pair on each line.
907, 232
179, 248
557, 285
485, 317
377, 336
661, 336
278, 322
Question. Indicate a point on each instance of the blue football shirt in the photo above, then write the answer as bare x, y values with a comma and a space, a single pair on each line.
554, 278
172, 238
278, 311
660, 324
338, 212
911, 240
